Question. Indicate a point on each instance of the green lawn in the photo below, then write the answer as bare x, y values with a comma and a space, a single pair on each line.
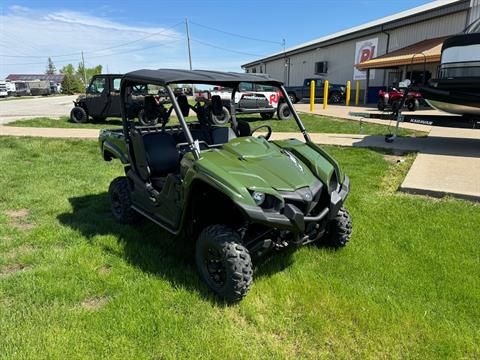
313, 123
74, 284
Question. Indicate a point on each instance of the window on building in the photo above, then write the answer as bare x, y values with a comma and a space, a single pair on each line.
254, 70
321, 67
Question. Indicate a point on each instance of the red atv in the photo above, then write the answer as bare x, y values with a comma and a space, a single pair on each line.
393, 99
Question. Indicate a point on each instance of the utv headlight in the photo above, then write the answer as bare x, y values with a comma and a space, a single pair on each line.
258, 197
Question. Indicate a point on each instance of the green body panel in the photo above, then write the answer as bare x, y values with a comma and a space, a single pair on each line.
246, 164
112, 142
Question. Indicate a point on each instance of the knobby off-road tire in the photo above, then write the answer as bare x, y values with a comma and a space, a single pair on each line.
339, 230
78, 115
223, 263
121, 203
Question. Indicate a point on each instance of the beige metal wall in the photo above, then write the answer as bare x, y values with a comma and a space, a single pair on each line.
442, 26
340, 56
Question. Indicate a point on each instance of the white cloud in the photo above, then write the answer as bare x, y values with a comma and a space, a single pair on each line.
31, 36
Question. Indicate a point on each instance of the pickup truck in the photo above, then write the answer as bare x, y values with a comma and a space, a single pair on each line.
336, 92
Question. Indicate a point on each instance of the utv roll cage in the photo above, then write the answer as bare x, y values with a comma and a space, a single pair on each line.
166, 77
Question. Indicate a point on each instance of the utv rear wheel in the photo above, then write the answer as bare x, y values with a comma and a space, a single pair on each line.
339, 230
223, 263
266, 116
78, 115
121, 203
284, 112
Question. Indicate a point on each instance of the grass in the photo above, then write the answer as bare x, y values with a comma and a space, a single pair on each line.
74, 284
313, 123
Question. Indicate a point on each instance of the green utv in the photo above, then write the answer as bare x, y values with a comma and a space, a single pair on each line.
234, 195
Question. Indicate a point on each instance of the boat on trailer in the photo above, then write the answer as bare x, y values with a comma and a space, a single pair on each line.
457, 88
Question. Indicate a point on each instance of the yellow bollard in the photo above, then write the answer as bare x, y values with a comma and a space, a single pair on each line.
357, 92
347, 100
312, 96
325, 94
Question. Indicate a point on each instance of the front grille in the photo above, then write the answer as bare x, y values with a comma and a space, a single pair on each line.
306, 198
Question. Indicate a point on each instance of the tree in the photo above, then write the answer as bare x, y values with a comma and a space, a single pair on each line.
89, 72
71, 82
51, 69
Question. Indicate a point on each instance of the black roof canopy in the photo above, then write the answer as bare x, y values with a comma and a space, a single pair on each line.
175, 76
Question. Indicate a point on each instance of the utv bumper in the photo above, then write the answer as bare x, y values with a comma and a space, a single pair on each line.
293, 218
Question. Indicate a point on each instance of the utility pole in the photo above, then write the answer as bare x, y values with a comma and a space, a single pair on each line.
84, 71
188, 44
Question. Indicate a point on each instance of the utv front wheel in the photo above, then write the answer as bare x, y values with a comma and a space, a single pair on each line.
339, 230
223, 263
121, 203
78, 115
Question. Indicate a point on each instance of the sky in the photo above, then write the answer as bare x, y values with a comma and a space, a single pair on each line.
126, 35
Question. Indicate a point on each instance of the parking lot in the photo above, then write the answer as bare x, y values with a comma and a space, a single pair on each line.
27, 108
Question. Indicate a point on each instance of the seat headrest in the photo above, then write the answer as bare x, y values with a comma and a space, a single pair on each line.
183, 104
217, 105
243, 128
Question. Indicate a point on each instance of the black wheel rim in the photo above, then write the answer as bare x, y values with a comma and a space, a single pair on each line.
77, 114
215, 267
286, 112
292, 98
335, 98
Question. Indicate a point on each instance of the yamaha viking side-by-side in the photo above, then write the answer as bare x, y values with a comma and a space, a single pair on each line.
229, 191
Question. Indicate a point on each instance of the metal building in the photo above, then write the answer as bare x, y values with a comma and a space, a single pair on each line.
409, 34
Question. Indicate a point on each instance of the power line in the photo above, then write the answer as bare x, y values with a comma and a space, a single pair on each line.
97, 56
225, 49
237, 35
98, 50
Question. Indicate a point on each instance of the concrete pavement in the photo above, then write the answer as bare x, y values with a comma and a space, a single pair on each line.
27, 108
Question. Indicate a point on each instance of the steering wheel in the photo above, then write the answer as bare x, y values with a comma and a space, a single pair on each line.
269, 131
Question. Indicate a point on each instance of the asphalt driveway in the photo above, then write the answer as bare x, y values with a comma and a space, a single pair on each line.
48, 106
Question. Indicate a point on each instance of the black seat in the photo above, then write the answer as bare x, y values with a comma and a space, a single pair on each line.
217, 105
151, 108
161, 153
243, 128
183, 104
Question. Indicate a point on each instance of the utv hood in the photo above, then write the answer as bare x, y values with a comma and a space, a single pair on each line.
256, 164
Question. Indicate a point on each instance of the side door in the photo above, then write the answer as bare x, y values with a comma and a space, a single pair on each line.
97, 96
114, 108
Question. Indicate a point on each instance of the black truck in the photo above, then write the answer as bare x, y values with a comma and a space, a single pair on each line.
336, 92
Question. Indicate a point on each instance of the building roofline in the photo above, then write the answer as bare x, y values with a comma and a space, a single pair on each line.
385, 23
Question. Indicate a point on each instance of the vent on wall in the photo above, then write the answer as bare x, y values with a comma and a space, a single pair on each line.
321, 67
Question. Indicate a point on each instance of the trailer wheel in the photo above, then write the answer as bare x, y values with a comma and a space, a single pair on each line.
78, 115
